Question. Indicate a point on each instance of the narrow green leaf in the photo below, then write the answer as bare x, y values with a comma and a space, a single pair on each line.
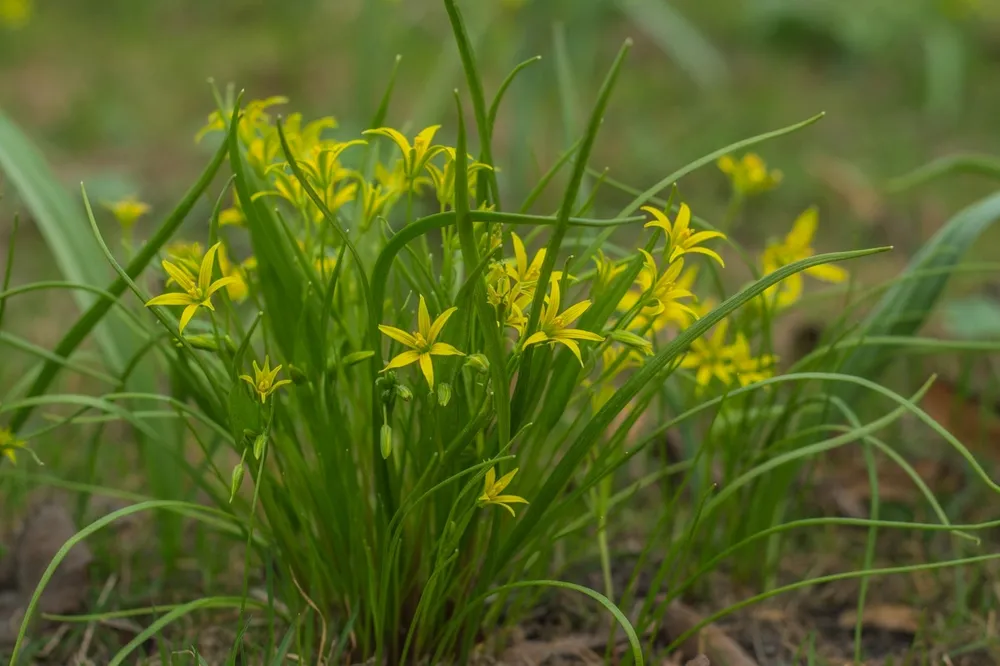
484, 313
679, 39
86, 323
905, 307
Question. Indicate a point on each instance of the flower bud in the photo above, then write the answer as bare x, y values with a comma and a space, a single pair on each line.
237, 481
478, 362
444, 393
385, 440
632, 340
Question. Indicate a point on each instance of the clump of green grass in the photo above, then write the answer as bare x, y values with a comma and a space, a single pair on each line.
433, 392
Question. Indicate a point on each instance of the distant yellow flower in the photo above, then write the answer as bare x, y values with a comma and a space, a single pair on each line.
9, 445
749, 175
375, 200
554, 326
493, 488
662, 291
443, 178
196, 294
747, 367
15, 14
415, 156
233, 215
422, 343
253, 117
614, 360
714, 359
607, 270
523, 272
681, 238
795, 247
322, 166
127, 210
263, 379
190, 255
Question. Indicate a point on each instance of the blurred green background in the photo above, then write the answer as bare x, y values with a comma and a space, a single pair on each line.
114, 91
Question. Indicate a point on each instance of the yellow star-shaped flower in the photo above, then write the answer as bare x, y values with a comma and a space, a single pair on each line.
195, 294
422, 343
493, 488
681, 237
263, 379
554, 326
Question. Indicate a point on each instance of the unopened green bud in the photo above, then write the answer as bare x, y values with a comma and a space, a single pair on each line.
259, 444
478, 362
236, 482
632, 340
385, 440
444, 393
297, 375
404, 392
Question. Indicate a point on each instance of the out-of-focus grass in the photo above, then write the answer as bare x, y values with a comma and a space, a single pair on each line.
116, 86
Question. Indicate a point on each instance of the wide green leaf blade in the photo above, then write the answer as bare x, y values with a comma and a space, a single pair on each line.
65, 230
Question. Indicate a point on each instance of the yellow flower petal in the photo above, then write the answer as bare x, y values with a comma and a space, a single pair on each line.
179, 275
804, 229
398, 335
444, 349
573, 347
535, 338
175, 298
186, 316
207, 266
573, 312
427, 367
403, 359
439, 323
828, 273
578, 334
504, 481
712, 254
423, 319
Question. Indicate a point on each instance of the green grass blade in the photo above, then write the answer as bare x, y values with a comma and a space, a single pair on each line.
984, 165
679, 39
561, 227
62, 226
485, 313
92, 317
905, 307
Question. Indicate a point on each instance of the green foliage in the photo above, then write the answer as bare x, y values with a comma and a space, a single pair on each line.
439, 362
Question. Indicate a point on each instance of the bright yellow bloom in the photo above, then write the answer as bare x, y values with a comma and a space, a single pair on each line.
607, 270
375, 200
681, 238
195, 294
190, 255
263, 379
554, 326
422, 343
795, 247
14, 14
323, 168
415, 156
749, 175
714, 359
661, 296
252, 118
523, 272
128, 210
614, 360
233, 215
443, 178
493, 488
9, 444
